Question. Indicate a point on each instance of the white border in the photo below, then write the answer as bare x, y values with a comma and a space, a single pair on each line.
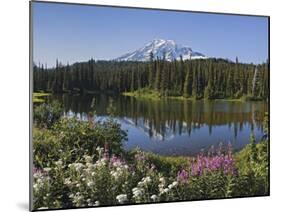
14, 87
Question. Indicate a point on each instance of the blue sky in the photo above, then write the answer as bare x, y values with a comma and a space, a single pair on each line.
74, 33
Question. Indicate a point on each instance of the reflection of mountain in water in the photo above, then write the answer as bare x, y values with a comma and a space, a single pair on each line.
167, 132
150, 131
162, 120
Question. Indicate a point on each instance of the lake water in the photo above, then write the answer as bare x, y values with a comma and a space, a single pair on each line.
174, 127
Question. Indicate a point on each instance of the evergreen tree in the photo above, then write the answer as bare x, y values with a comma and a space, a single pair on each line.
195, 84
187, 88
209, 78
209, 90
151, 70
158, 76
132, 81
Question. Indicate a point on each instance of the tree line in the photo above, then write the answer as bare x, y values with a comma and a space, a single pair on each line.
203, 78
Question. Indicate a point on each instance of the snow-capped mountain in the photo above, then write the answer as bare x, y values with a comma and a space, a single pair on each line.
159, 47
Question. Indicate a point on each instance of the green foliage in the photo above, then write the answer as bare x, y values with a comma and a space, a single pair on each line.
253, 165
70, 139
45, 115
168, 165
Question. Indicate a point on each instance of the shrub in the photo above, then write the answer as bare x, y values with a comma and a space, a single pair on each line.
45, 115
253, 164
69, 139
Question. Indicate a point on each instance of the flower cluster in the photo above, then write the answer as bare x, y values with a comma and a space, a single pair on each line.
95, 183
110, 179
41, 187
167, 190
40, 178
122, 198
182, 176
141, 190
220, 162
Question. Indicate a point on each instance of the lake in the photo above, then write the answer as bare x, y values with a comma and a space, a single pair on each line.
174, 127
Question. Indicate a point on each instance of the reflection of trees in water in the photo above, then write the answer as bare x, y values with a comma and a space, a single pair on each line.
171, 116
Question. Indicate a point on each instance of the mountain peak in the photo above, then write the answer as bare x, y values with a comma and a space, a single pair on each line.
159, 48
162, 41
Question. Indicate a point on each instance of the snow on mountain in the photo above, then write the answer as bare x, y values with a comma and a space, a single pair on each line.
159, 47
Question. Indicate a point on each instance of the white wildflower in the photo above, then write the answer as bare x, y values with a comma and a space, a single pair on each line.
35, 186
162, 180
116, 164
153, 197
67, 181
140, 183
122, 198
137, 192
88, 158
100, 162
47, 169
103, 160
161, 186
78, 166
99, 149
89, 164
135, 189
175, 183
71, 165
59, 162
36, 175
39, 181
115, 174
90, 183
147, 180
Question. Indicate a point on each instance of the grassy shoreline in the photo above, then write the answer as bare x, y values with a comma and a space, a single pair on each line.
146, 93
38, 97
155, 95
